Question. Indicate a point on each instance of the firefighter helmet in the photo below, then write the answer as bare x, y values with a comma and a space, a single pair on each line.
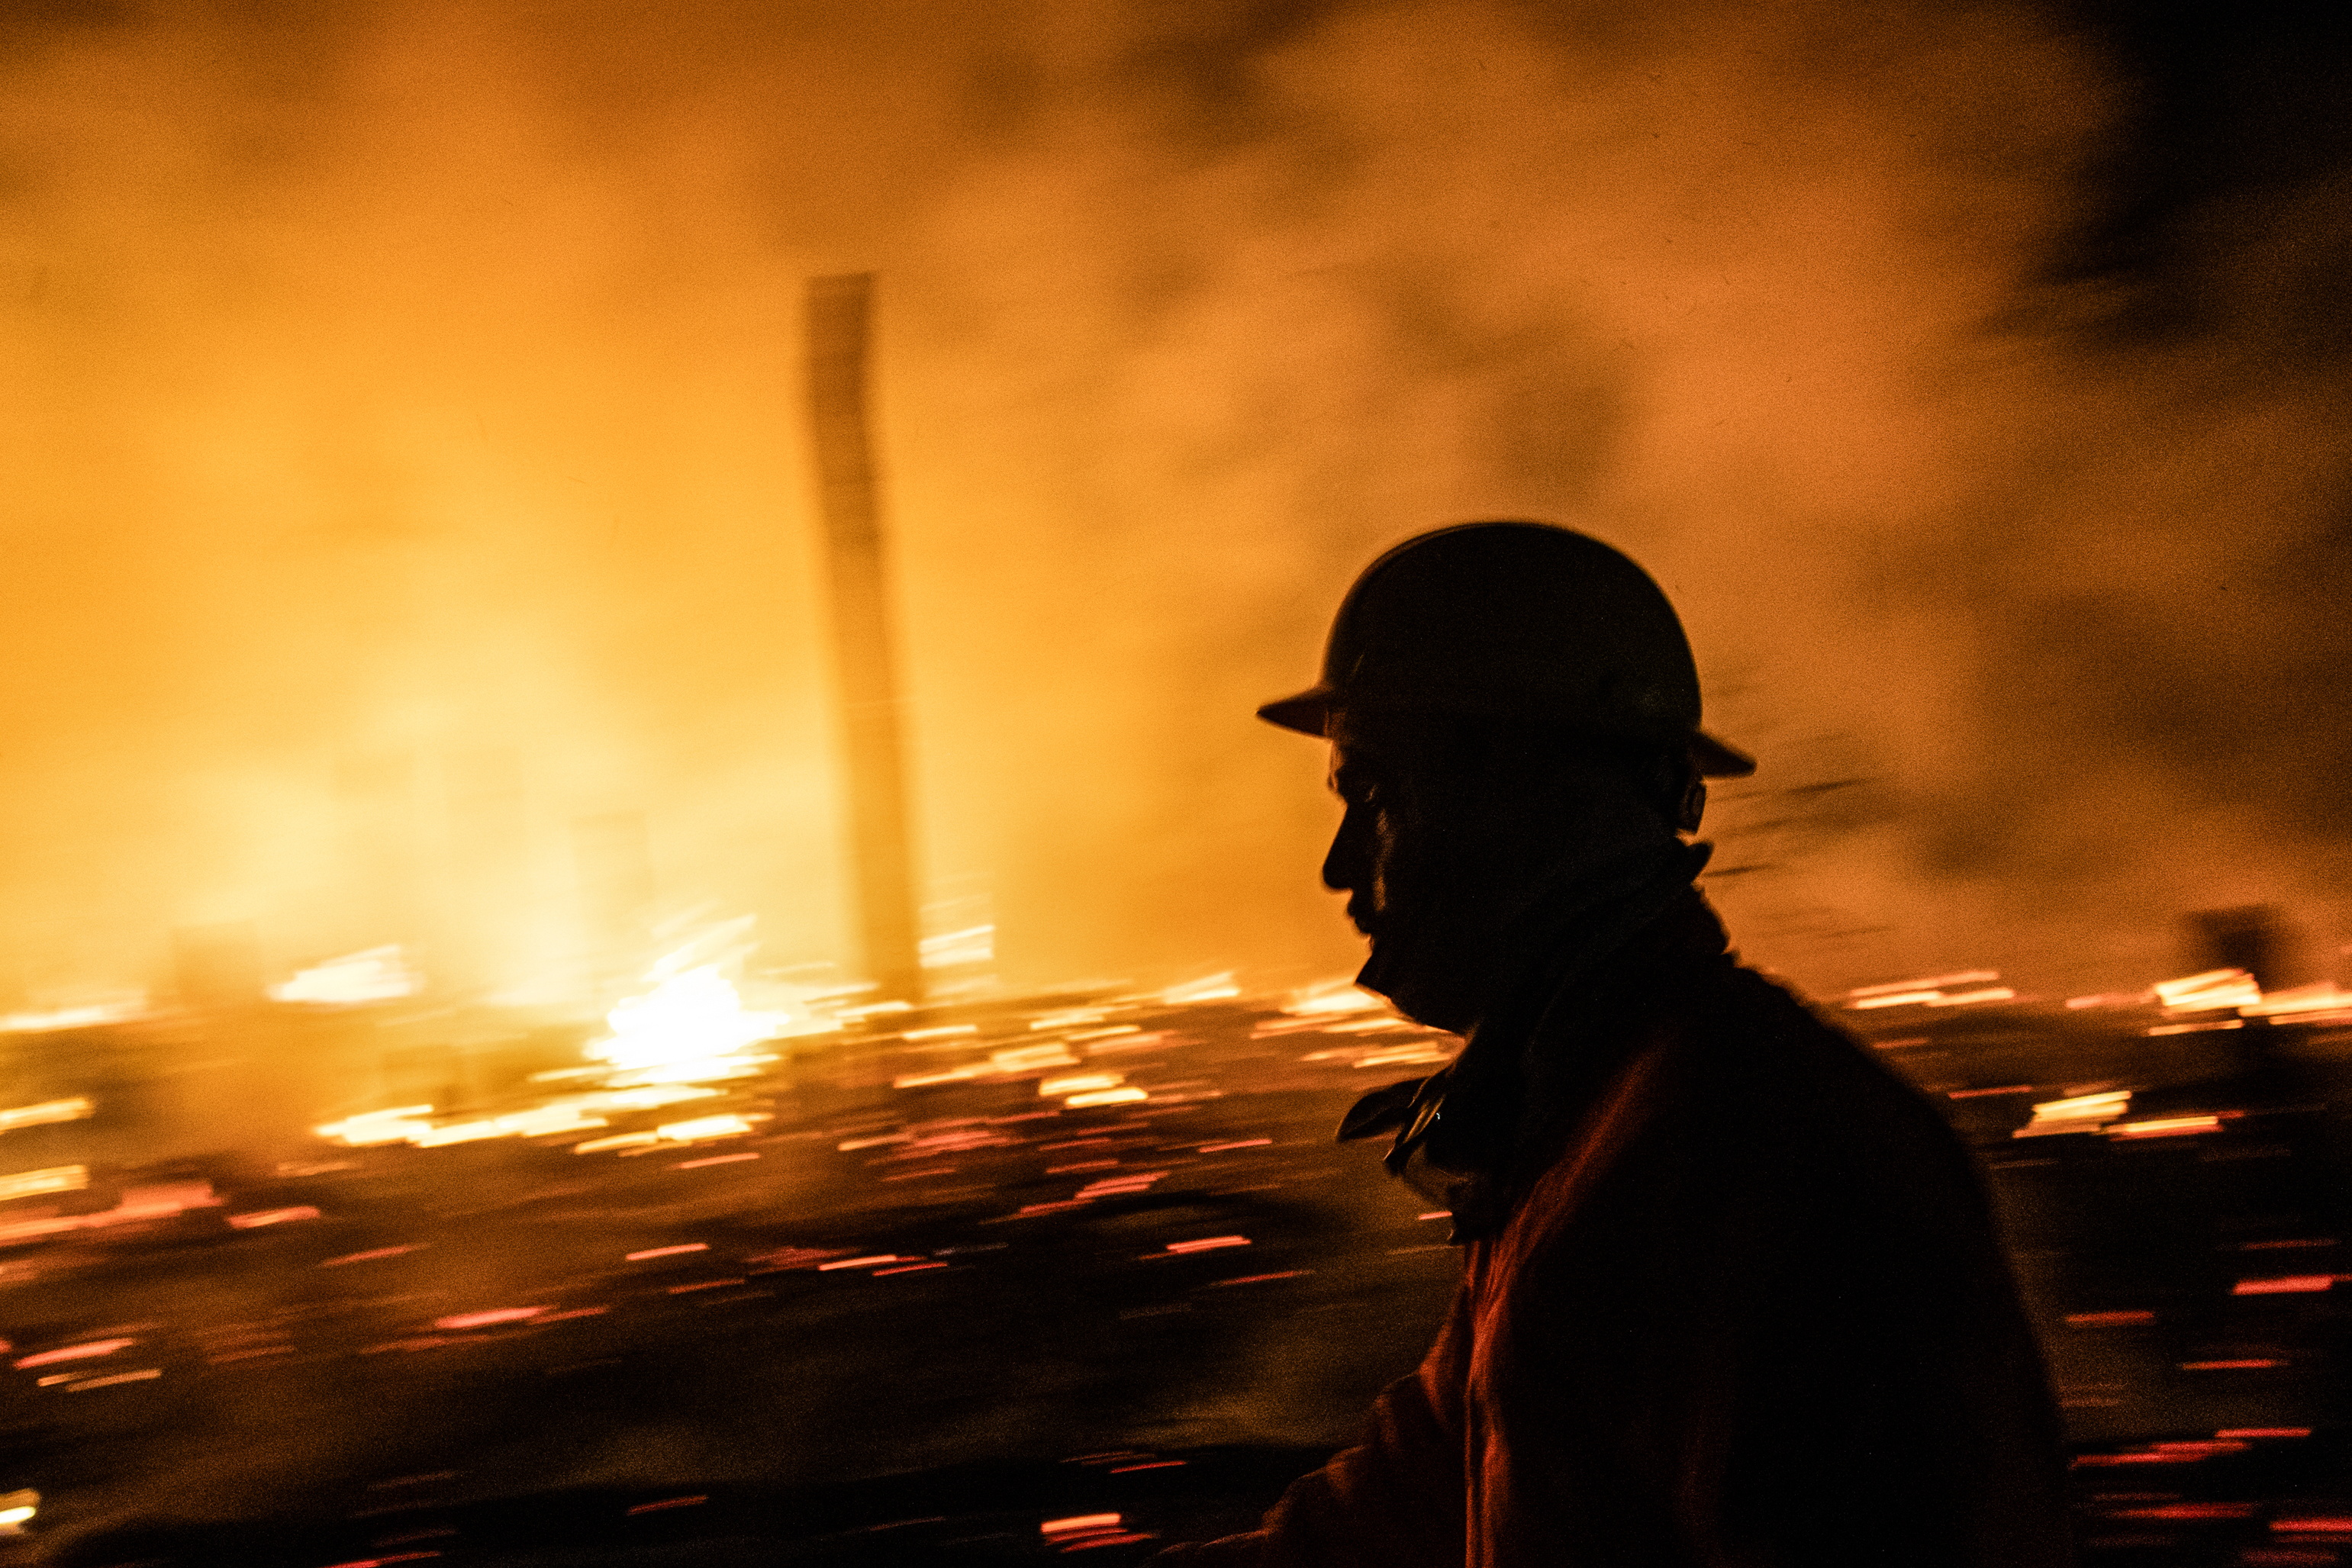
1513, 619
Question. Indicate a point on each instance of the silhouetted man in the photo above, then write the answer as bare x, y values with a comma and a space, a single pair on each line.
1731, 1294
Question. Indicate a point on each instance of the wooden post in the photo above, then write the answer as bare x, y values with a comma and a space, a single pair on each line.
865, 663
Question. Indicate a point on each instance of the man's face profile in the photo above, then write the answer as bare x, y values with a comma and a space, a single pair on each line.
1364, 846
1422, 857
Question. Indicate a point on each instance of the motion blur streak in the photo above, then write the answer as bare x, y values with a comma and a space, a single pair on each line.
406, 463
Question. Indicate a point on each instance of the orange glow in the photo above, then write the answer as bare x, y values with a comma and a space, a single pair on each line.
1079, 1522
2285, 1284
73, 1352
2163, 1128
488, 1319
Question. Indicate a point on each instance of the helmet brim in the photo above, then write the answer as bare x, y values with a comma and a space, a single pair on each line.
1716, 761
1309, 713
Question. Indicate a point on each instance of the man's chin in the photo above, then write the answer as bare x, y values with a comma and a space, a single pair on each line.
1424, 998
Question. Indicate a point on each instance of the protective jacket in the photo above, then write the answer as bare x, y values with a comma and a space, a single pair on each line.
1731, 1298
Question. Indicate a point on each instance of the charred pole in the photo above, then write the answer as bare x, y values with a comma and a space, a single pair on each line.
865, 664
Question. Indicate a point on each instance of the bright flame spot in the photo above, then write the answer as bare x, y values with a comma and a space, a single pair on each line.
16, 1510
1964, 998
2076, 1113
75, 1353
704, 1127
56, 1179
484, 1319
1080, 1083
2212, 989
1079, 1522
689, 1028
1029, 1058
2165, 1128
2321, 997
1331, 996
668, 1251
272, 1216
1406, 1056
619, 1141
1934, 991
372, 1127
1069, 1018
376, 974
47, 1111
1932, 982
1211, 988
1105, 1097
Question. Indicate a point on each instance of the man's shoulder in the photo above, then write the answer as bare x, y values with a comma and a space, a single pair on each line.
1762, 1067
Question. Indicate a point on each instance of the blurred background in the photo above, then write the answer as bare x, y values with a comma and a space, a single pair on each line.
411, 536
424, 654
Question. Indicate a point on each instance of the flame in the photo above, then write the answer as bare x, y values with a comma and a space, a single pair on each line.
690, 1028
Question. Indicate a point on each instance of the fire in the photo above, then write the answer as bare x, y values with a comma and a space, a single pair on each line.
690, 1028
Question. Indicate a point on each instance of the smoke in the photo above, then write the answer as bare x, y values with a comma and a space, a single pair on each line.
407, 463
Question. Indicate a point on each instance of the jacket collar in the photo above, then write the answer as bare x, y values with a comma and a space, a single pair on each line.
1589, 963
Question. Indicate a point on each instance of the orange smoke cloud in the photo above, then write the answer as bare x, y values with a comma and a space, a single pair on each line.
407, 463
